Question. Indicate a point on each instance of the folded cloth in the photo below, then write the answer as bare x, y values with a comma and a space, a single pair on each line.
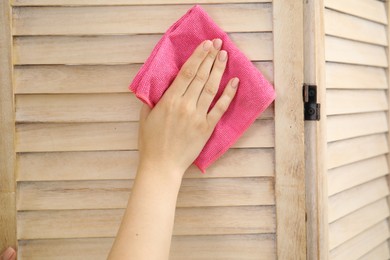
253, 96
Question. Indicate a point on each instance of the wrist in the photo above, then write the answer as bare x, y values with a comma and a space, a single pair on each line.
168, 170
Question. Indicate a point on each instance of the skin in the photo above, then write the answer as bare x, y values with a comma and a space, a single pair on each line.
180, 118
8, 254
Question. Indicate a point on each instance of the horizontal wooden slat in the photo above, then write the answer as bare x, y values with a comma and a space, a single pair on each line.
116, 49
104, 223
121, 2
354, 28
347, 126
353, 224
380, 252
355, 101
111, 136
348, 176
55, 79
213, 247
348, 76
362, 243
347, 51
357, 197
122, 165
369, 9
115, 194
84, 108
352, 150
133, 19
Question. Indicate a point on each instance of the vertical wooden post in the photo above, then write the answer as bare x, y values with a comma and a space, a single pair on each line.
289, 129
7, 127
388, 98
315, 133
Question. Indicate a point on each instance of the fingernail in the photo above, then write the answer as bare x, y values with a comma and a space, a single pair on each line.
217, 43
8, 253
222, 55
207, 45
235, 82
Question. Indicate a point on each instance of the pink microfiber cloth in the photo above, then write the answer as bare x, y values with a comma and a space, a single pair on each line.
254, 93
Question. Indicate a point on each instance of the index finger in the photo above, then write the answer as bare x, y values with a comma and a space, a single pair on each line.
189, 69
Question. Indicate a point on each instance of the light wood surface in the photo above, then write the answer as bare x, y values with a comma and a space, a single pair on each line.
121, 2
380, 252
289, 129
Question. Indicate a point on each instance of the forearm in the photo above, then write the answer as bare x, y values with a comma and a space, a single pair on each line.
146, 229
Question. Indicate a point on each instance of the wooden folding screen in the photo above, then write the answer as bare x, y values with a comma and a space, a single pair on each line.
69, 131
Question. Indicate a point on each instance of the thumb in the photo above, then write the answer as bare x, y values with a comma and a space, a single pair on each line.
8, 254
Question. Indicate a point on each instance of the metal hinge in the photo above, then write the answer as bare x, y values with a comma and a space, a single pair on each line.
311, 107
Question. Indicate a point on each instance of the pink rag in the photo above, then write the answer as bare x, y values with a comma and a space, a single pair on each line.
253, 96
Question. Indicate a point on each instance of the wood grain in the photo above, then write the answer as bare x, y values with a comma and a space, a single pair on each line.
352, 150
361, 244
114, 49
353, 52
354, 125
353, 224
109, 194
104, 223
348, 76
122, 165
261, 246
380, 252
133, 19
355, 101
354, 28
348, 176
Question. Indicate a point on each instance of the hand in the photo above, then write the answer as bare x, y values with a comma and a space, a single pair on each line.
8, 254
174, 132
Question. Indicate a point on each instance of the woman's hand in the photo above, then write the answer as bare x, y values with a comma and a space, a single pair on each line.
8, 254
174, 132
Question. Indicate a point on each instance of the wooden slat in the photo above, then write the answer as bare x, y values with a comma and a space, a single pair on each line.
116, 49
354, 28
133, 19
347, 51
83, 108
211, 247
356, 222
115, 194
368, 9
362, 243
348, 176
111, 136
355, 101
356, 149
347, 126
357, 197
55, 79
121, 2
122, 165
347, 76
104, 223
381, 252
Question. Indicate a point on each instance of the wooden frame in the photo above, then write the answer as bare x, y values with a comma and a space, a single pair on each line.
289, 127
7, 128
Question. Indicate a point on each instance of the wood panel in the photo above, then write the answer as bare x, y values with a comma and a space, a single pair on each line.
352, 150
120, 2
183, 247
380, 252
104, 223
122, 165
355, 101
354, 125
354, 28
348, 76
350, 175
353, 224
362, 243
133, 19
111, 49
110, 194
368, 9
357, 197
347, 51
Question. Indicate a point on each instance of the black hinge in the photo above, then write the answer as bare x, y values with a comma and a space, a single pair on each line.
312, 108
